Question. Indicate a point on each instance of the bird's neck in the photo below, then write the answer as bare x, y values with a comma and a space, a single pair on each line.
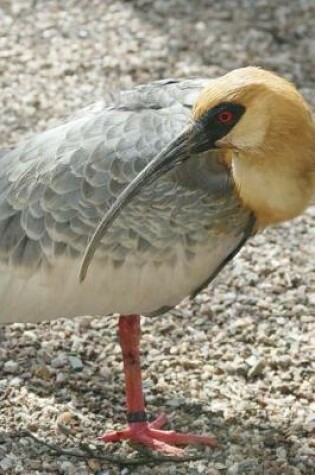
275, 191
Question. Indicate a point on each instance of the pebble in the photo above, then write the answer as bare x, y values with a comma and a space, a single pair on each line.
3, 384
32, 426
75, 363
43, 372
94, 464
67, 422
256, 369
16, 381
59, 361
11, 366
68, 468
7, 463
61, 378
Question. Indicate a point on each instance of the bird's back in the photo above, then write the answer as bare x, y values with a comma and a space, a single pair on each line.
56, 186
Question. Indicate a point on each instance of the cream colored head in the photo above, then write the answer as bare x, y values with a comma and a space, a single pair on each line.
273, 144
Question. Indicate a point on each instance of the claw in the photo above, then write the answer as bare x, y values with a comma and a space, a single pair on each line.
150, 435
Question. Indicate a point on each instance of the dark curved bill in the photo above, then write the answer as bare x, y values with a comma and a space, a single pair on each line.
191, 141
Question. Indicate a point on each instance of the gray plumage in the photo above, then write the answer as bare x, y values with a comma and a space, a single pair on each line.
56, 186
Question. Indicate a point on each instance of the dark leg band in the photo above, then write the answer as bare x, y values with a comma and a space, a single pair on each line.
136, 417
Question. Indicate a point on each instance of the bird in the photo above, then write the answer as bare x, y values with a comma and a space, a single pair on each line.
141, 199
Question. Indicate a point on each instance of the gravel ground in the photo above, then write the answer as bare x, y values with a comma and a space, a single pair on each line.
238, 361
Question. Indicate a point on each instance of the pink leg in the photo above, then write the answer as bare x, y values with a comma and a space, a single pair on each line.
138, 429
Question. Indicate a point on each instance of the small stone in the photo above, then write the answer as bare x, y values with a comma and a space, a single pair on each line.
271, 441
281, 453
75, 363
43, 372
104, 372
251, 360
294, 471
31, 335
68, 468
242, 323
310, 426
16, 381
94, 464
285, 361
32, 426
220, 466
59, 361
10, 366
256, 369
233, 469
3, 385
307, 319
174, 402
67, 422
61, 378
7, 463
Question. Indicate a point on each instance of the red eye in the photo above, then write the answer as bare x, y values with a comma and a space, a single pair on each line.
225, 117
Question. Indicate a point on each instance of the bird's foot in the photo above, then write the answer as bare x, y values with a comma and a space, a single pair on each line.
150, 435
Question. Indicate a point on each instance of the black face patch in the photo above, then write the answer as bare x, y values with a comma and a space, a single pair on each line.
222, 117
216, 123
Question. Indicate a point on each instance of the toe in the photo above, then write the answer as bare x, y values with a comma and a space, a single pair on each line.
172, 437
160, 446
159, 422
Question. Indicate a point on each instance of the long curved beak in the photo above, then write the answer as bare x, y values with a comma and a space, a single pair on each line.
193, 140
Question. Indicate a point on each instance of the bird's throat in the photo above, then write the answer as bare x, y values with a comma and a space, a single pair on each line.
274, 193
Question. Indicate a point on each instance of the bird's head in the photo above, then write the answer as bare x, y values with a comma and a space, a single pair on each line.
265, 131
273, 111
270, 131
